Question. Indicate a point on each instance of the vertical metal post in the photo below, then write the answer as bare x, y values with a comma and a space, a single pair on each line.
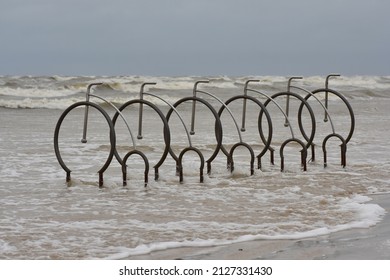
84, 139
100, 179
141, 109
327, 94
287, 110
244, 104
192, 130
243, 129
286, 123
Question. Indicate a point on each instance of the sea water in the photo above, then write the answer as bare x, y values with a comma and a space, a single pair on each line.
43, 217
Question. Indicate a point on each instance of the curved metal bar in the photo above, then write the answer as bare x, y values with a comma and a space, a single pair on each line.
319, 101
303, 153
227, 108
327, 115
351, 113
180, 162
120, 113
343, 149
195, 91
277, 105
218, 128
231, 161
304, 102
87, 97
112, 139
124, 167
167, 134
267, 142
177, 113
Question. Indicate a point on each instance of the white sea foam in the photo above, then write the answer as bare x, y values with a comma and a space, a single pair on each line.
369, 215
36, 92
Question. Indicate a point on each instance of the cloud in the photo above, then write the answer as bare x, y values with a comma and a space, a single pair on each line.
176, 37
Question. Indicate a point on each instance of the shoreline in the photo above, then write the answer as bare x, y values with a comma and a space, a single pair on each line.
371, 243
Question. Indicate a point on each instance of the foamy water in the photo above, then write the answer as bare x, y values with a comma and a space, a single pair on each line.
42, 217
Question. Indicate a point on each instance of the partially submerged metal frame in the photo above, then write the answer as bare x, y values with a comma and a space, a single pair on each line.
218, 127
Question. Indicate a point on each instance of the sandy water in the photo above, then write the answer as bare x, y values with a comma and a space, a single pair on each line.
42, 217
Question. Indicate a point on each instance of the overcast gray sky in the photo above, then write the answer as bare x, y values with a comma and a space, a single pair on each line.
194, 37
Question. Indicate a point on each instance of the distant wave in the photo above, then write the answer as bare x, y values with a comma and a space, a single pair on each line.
58, 92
